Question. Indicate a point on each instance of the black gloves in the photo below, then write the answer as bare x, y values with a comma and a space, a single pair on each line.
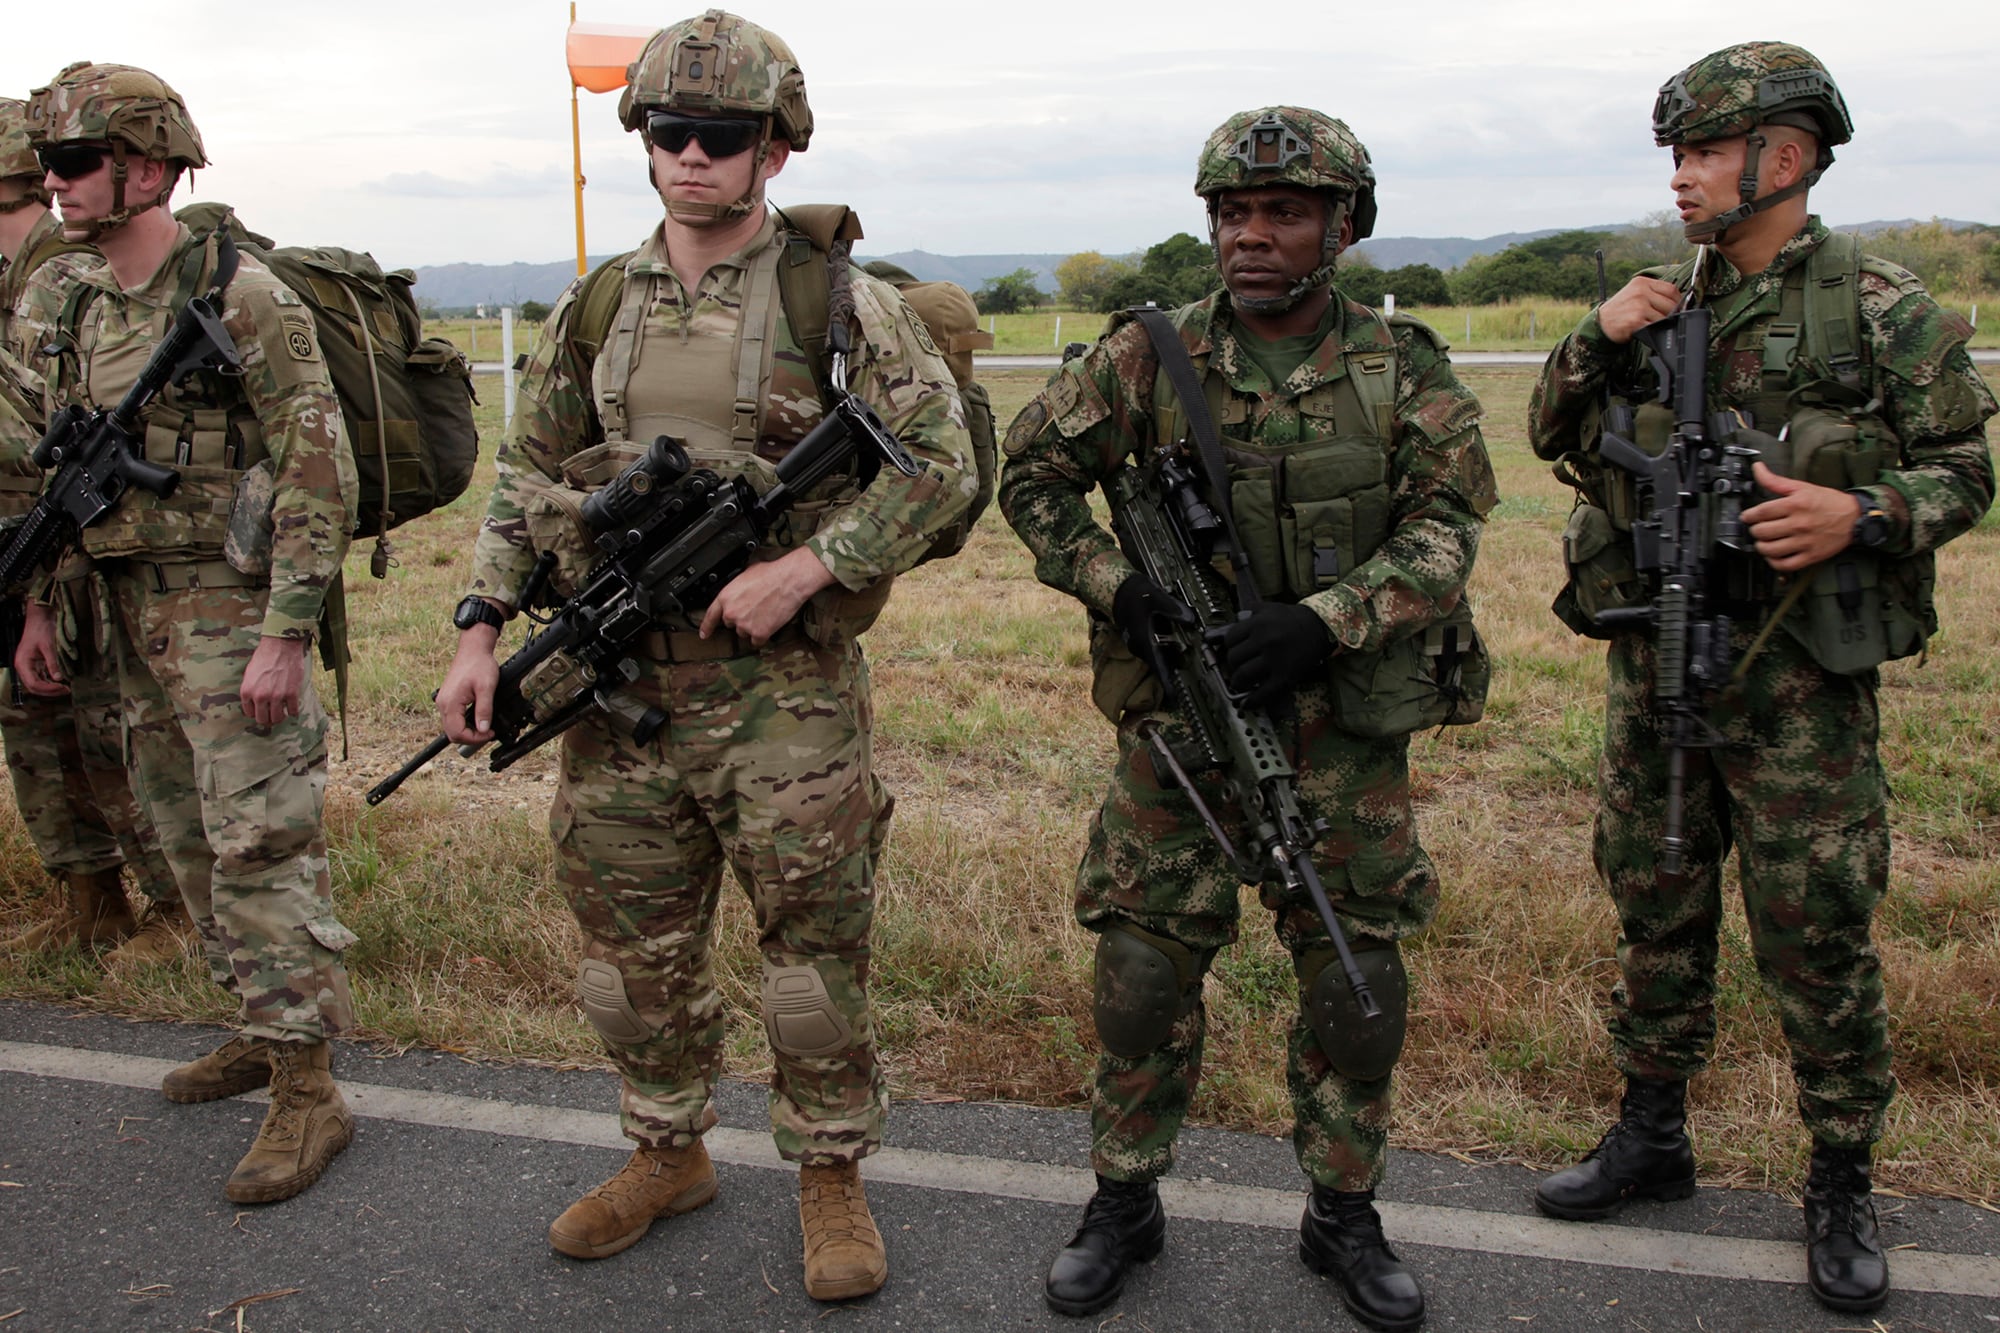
1136, 609
1274, 649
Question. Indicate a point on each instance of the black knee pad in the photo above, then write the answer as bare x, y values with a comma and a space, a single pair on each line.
1143, 984
1363, 1049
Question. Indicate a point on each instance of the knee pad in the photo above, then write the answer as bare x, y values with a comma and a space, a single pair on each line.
1143, 982
1363, 1049
600, 988
800, 1017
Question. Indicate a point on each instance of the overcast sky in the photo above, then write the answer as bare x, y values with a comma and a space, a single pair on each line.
437, 133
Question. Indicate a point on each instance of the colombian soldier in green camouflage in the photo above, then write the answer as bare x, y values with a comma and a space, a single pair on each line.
1868, 415
1326, 409
66, 756
217, 590
763, 767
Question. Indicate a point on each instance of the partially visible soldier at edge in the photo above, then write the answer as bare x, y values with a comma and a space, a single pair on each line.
764, 766
66, 756
217, 597
1358, 414
1822, 347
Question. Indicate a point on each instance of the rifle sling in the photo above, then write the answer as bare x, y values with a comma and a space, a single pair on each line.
1174, 359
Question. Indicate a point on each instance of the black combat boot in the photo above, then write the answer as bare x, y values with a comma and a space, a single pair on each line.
1845, 1265
1341, 1236
1122, 1225
1646, 1155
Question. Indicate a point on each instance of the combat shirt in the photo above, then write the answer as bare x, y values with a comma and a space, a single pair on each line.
284, 382
13, 284
893, 367
1932, 397
1095, 415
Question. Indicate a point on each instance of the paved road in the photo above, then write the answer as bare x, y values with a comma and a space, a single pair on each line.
112, 1216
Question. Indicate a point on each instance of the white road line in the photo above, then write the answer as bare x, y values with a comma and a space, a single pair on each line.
1642, 1248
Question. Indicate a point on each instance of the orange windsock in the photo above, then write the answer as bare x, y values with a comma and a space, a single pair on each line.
599, 52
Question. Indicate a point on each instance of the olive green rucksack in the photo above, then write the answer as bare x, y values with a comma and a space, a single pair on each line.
406, 399
813, 230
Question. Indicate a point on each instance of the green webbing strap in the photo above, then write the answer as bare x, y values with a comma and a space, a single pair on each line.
804, 295
1833, 307
333, 652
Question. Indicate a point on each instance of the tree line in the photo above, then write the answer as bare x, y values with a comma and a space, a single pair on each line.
1563, 267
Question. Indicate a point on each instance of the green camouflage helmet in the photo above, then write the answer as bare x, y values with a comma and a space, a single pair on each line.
1740, 87
719, 63
1289, 145
17, 156
1736, 90
115, 104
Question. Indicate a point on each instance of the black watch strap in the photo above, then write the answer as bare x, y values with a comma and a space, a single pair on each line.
1871, 525
477, 611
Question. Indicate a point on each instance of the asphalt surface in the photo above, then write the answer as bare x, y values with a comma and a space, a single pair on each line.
112, 1216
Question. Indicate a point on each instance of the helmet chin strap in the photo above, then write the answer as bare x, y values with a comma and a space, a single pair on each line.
1311, 282
691, 214
121, 211
36, 193
1715, 230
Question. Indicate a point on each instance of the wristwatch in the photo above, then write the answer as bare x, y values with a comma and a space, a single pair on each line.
1871, 526
477, 611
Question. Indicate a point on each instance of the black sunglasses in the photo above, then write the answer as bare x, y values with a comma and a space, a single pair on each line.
72, 161
721, 136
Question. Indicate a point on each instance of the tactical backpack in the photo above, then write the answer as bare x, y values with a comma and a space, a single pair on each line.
405, 399
945, 311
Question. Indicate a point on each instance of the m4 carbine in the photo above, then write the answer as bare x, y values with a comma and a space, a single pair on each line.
1689, 522
1170, 533
97, 456
670, 537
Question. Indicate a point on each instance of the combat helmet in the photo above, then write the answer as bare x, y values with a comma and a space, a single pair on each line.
17, 157
1733, 92
720, 63
134, 112
1290, 145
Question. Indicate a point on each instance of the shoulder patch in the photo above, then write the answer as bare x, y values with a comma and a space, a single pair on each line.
297, 333
286, 296
1027, 426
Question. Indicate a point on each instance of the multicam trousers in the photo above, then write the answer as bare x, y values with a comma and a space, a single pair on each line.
237, 806
1152, 862
67, 758
763, 768
1797, 789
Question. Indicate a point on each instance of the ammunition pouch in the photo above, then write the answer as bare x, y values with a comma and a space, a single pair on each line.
1437, 677
553, 510
1602, 576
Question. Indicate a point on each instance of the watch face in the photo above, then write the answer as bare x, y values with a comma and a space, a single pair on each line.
474, 611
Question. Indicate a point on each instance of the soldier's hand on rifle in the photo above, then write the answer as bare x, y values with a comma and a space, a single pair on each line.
1137, 609
763, 599
1273, 650
1635, 305
274, 683
1803, 525
36, 663
469, 685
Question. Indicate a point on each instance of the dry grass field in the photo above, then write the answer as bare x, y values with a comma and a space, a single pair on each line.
986, 734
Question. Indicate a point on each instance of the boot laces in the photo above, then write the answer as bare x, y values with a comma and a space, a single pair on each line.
837, 1211
1110, 1209
633, 1179
288, 1094
1355, 1216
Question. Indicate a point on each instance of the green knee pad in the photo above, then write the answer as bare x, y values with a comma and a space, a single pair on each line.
800, 1017
600, 988
1143, 985
1363, 1049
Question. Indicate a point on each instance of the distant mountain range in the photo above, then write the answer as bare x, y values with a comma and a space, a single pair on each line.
462, 286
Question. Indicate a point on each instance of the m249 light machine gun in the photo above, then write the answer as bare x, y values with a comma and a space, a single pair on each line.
670, 537
1689, 521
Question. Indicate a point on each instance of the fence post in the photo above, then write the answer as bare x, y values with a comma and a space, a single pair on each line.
1058, 341
1531, 326
1388, 303
1468, 328
1974, 321
473, 355
507, 359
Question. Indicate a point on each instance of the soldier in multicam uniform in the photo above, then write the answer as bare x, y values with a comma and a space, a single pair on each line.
66, 756
1325, 407
216, 597
763, 767
1861, 392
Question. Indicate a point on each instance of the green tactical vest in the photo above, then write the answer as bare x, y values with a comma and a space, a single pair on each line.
1813, 418
1309, 512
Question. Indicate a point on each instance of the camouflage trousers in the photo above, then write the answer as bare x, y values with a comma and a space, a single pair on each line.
763, 768
1797, 789
237, 806
1152, 862
67, 757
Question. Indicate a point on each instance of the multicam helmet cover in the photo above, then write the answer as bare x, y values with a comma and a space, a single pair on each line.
1739, 89
17, 156
720, 64
1290, 145
134, 112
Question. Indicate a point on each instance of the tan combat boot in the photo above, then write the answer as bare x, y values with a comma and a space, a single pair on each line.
308, 1124
657, 1182
241, 1064
97, 914
844, 1255
166, 933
